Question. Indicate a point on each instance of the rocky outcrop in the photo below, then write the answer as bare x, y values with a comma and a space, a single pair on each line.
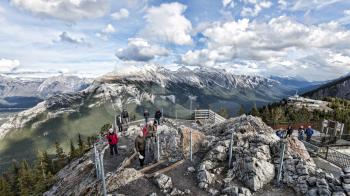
256, 159
197, 139
122, 178
77, 178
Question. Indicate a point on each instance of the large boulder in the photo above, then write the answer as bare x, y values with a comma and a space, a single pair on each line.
122, 178
163, 182
197, 140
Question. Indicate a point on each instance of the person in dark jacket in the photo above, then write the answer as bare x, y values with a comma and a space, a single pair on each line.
146, 115
157, 116
309, 132
119, 123
125, 116
112, 138
289, 131
301, 131
140, 146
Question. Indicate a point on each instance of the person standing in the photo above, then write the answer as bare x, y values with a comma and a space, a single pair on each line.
301, 131
289, 131
140, 146
157, 116
119, 123
125, 116
309, 132
146, 115
112, 138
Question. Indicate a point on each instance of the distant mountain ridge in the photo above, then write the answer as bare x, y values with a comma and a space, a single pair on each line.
337, 88
26, 93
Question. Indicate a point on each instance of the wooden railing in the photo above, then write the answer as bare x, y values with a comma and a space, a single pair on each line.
208, 115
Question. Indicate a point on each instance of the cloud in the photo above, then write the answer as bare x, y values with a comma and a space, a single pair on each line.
69, 10
139, 49
258, 7
104, 34
121, 14
65, 37
109, 29
227, 3
273, 47
7, 65
167, 23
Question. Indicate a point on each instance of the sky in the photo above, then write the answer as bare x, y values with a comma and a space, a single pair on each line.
298, 38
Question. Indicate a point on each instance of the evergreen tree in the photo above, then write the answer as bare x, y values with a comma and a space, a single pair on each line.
241, 110
81, 144
5, 188
43, 178
224, 113
255, 111
13, 177
61, 158
266, 114
105, 128
73, 152
47, 162
25, 179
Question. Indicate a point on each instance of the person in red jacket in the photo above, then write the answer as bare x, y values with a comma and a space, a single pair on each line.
112, 138
145, 131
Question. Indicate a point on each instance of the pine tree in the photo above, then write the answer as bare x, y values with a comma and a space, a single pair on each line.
241, 110
5, 188
224, 113
13, 178
47, 162
105, 128
73, 151
43, 178
266, 114
81, 144
25, 179
59, 152
255, 111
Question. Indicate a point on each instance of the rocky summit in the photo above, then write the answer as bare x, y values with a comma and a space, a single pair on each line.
254, 167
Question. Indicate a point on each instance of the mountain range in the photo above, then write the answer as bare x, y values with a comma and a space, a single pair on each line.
27, 92
337, 88
61, 116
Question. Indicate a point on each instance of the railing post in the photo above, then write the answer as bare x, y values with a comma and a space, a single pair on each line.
283, 146
230, 150
327, 152
103, 176
158, 150
97, 163
191, 144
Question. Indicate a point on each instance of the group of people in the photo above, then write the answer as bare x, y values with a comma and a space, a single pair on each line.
146, 134
122, 119
301, 132
157, 116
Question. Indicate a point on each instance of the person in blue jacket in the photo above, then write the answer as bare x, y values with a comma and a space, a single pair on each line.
309, 132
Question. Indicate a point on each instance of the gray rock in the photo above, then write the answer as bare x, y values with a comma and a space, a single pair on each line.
231, 190
323, 192
163, 181
312, 192
191, 169
176, 191
213, 192
312, 181
338, 194
153, 194
346, 170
